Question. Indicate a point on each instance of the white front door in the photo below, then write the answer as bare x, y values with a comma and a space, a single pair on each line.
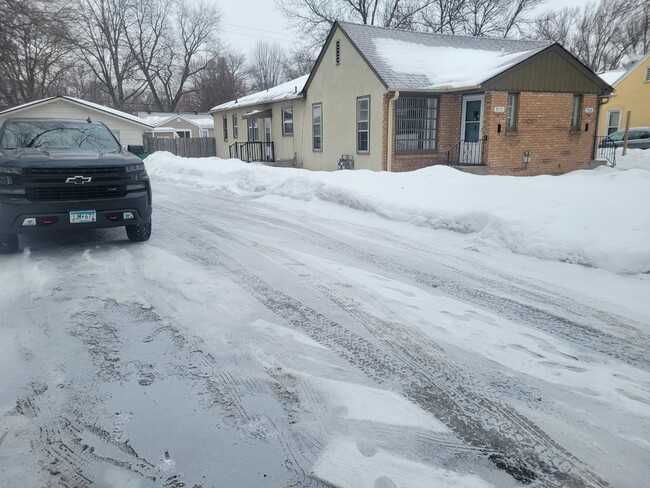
471, 130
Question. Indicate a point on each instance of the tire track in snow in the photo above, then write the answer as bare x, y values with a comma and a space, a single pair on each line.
478, 420
581, 335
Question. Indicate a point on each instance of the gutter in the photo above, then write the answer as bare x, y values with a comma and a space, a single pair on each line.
391, 111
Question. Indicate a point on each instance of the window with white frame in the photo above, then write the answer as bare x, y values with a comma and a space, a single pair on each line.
225, 127
363, 124
613, 120
287, 121
253, 129
511, 113
205, 133
575, 112
235, 128
417, 121
317, 126
184, 133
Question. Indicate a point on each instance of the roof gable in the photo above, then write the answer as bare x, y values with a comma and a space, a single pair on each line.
640, 63
410, 60
553, 69
84, 103
418, 60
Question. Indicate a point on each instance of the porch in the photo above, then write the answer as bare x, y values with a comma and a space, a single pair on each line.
250, 151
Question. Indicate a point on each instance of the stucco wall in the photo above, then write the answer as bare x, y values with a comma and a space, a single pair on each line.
286, 147
631, 94
129, 133
337, 87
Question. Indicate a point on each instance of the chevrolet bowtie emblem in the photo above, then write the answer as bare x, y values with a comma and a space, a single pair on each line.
79, 180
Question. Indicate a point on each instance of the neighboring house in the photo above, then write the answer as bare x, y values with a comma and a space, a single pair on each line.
262, 126
171, 125
631, 94
127, 128
387, 99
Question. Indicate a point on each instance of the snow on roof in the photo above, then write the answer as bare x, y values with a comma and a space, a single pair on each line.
203, 120
286, 91
610, 77
408, 59
95, 106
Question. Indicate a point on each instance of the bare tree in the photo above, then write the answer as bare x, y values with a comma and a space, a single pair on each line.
33, 50
100, 38
171, 41
298, 63
265, 67
222, 81
597, 34
314, 18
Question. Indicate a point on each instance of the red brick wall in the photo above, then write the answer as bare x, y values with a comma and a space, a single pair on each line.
543, 129
449, 112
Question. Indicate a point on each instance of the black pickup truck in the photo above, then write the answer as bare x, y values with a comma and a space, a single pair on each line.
65, 174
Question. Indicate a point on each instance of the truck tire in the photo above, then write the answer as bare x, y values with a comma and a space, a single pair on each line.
139, 232
8, 243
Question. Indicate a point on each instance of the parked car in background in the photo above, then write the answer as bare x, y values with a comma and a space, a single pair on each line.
638, 138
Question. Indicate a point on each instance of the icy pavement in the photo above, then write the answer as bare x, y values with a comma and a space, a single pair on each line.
259, 340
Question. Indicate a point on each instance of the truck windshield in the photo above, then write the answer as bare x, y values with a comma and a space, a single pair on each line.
48, 134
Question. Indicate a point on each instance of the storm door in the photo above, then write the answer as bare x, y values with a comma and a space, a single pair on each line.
471, 138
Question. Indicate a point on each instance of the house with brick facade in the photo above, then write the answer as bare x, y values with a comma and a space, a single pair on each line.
387, 99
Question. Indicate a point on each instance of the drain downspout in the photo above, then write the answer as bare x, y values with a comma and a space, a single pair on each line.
389, 156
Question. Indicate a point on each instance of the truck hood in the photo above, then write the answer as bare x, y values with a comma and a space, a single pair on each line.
31, 158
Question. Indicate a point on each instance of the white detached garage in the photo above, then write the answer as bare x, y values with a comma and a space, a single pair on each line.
127, 128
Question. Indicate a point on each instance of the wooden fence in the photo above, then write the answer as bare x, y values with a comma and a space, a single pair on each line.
199, 147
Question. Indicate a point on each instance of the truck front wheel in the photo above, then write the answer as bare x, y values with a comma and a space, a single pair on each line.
139, 232
8, 243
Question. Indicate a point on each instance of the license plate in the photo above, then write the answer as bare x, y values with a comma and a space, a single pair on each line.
83, 216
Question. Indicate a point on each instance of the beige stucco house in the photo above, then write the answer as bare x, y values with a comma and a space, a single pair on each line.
127, 128
185, 124
631, 94
387, 99
264, 126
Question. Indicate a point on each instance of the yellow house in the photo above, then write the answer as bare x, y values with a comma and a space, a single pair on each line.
631, 94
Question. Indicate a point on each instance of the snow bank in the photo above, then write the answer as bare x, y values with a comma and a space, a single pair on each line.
595, 218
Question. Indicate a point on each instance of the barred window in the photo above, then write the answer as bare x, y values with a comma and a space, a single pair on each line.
417, 121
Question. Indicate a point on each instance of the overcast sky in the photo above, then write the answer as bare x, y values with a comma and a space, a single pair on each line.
247, 21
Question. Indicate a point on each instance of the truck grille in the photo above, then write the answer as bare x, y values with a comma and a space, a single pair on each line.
75, 192
50, 183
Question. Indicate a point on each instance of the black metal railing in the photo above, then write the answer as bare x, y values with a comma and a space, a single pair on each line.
253, 151
605, 150
466, 153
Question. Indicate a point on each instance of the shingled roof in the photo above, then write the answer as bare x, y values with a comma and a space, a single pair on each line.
416, 60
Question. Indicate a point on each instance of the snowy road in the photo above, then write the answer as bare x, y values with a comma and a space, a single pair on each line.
251, 344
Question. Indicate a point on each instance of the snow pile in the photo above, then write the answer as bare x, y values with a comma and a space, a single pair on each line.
594, 218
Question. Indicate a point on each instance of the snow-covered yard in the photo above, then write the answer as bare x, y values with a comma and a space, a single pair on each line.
349, 329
